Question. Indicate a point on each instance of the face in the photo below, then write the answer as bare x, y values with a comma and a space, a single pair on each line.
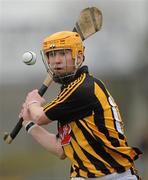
61, 61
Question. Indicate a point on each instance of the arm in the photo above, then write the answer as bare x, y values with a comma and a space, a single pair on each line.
48, 140
32, 110
75, 101
38, 115
34, 103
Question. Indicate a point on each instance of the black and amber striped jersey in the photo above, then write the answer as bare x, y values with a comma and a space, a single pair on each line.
91, 128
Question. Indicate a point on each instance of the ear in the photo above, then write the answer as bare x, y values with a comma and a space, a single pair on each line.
80, 58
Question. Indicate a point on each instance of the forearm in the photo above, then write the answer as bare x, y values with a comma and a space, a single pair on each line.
38, 115
48, 140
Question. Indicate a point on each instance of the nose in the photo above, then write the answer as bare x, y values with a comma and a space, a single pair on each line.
57, 58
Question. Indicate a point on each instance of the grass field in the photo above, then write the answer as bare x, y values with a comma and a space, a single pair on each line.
33, 165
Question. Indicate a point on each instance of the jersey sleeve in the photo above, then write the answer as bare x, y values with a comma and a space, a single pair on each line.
74, 102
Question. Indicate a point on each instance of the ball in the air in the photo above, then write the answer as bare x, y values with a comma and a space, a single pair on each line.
29, 58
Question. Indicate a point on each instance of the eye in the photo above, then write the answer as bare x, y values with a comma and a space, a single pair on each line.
51, 54
62, 52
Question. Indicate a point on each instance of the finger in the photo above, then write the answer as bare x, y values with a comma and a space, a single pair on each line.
24, 105
35, 91
20, 115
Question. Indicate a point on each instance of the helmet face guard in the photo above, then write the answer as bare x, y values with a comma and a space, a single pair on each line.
62, 41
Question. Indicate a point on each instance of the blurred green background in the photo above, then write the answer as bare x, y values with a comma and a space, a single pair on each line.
118, 55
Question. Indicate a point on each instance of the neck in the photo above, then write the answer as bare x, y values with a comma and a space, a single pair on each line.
67, 78
64, 79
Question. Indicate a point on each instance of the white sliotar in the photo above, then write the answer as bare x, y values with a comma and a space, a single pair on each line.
29, 58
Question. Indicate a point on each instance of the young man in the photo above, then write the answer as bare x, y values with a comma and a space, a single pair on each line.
90, 129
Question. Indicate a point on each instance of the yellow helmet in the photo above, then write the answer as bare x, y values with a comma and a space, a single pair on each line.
64, 40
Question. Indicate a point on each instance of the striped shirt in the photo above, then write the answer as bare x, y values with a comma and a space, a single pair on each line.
91, 128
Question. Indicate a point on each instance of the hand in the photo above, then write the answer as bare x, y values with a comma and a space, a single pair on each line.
32, 109
25, 114
34, 97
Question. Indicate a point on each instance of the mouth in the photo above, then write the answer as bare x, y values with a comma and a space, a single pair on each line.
58, 70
